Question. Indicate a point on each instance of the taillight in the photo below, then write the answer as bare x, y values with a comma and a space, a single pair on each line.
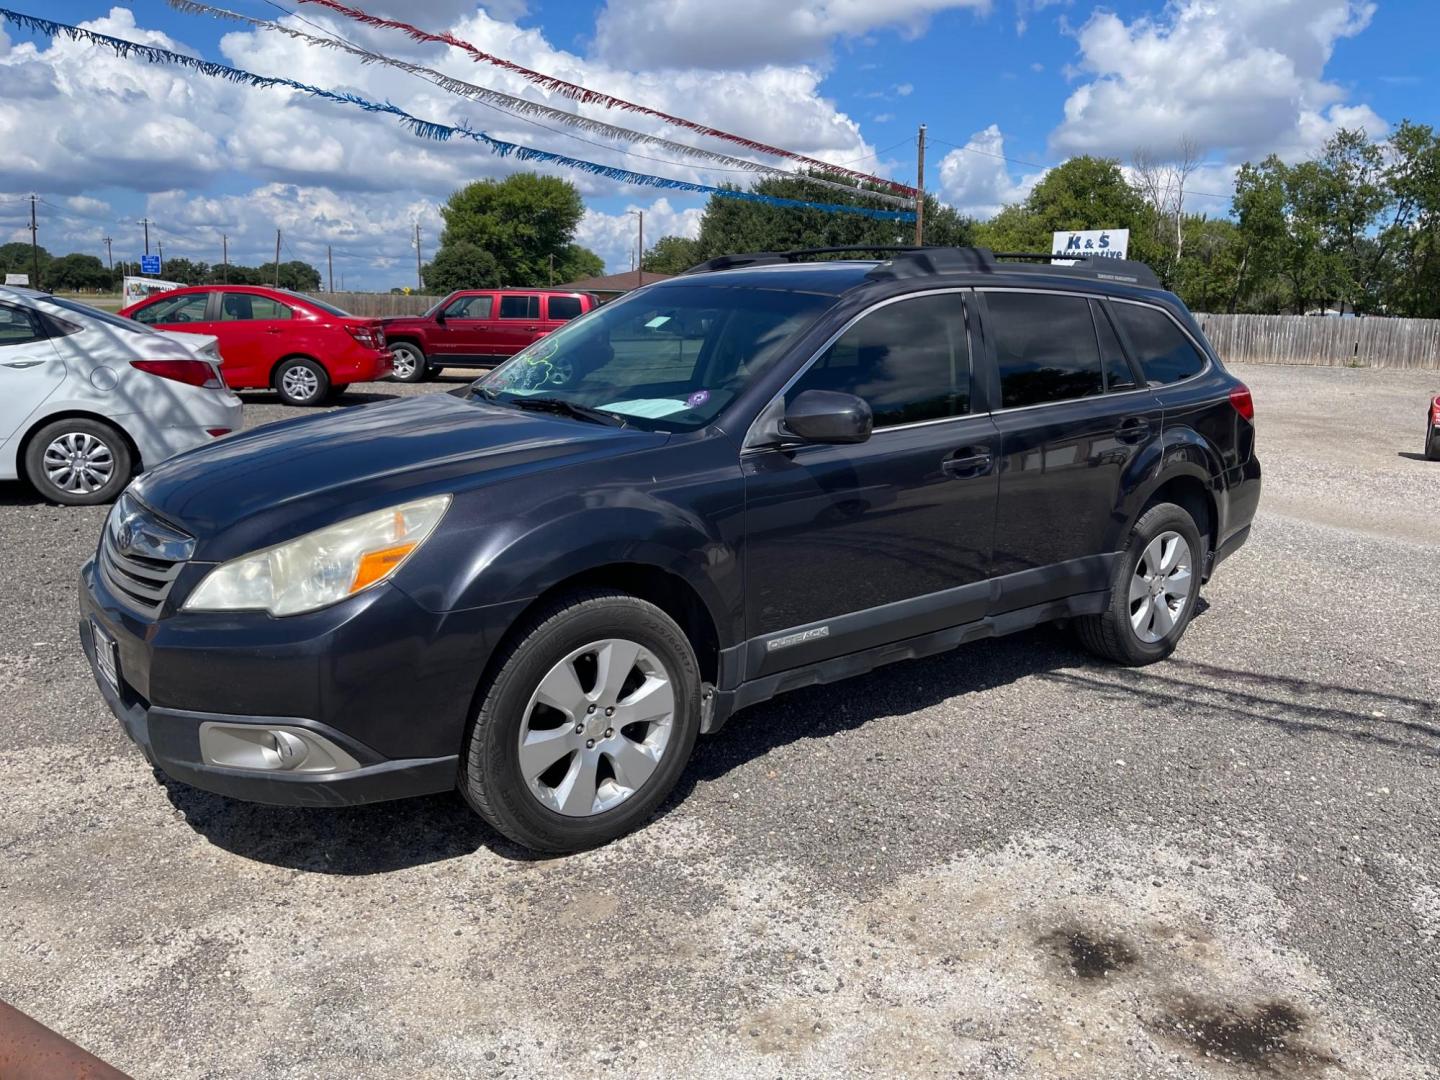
216, 432
370, 338
189, 372
1243, 402
1435, 412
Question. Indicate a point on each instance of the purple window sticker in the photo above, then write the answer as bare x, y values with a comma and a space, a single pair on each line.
698, 398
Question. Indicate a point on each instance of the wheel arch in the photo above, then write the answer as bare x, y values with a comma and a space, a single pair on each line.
275, 367
22, 446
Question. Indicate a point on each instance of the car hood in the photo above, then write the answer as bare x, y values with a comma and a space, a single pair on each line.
282, 480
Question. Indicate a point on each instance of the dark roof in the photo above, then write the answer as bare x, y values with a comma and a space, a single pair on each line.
828, 278
611, 282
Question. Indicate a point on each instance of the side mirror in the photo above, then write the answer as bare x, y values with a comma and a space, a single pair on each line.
440, 316
825, 416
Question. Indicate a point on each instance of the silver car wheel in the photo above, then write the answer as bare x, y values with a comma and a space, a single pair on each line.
300, 382
404, 361
79, 463
596, 727
1160, 587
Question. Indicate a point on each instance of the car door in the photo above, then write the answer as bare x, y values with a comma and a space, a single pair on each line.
256, 333
851, 546
30, 367
1073, 419
466, 332
517, 323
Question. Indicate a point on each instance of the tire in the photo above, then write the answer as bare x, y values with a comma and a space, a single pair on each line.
410, 363
1133, 630
105, 461
300, 381
336, 391
570, 645
1432, 443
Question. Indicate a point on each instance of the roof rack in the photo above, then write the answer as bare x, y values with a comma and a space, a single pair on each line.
909, 261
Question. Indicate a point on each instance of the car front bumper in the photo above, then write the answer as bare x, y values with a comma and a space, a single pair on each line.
387, 682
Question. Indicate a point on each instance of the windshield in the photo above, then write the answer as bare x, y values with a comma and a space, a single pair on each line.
99, 316
665, 359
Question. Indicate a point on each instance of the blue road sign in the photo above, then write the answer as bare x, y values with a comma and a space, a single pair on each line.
150, 264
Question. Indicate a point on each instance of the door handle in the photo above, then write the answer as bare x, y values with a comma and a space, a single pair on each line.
21, 365
969, 461
273, 330
1133, 429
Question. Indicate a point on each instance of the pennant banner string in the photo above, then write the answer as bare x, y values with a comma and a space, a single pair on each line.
427, 129
528, 109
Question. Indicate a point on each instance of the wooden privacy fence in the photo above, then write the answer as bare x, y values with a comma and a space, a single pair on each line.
1324, 341
376, 305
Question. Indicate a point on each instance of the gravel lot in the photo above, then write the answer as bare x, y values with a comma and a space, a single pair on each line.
1007, 861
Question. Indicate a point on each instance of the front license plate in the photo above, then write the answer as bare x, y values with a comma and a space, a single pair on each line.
106, 656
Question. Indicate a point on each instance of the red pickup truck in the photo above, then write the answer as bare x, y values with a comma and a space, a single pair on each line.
478, 328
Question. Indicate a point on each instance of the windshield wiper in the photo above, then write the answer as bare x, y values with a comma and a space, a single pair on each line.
567, 408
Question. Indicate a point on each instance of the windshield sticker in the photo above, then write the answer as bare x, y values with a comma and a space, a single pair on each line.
657, 322
646, 408
698, 398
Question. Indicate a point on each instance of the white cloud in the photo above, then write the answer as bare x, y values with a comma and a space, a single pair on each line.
977, 180
1236, 76
748, 34
614, 236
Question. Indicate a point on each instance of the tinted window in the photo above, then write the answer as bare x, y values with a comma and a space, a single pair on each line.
246, 306
910, 360
1164, 352
1118, 375
1044, 347
564, 308
18, 326
329, 309
470, 307
520, 307
175, 309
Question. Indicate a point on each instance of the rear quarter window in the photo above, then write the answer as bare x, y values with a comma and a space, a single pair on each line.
1165, 354
564, 308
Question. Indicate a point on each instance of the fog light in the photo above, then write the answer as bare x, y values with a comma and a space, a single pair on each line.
272, 749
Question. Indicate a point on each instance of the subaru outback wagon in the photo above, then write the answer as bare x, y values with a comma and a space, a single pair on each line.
767, 473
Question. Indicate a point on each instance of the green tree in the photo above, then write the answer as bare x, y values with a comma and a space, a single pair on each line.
460, 265
16, 258
577, 262
1083, 193
522, 222
671, 255
1407, 259
76, 272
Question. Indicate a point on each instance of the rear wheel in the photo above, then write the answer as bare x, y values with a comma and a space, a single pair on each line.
1153, 592
587, 725
79, 462
300, 381
409, 363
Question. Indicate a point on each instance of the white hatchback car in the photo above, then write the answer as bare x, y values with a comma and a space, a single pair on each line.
88, 399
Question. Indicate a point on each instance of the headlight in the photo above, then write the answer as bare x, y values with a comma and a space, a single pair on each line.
323, 566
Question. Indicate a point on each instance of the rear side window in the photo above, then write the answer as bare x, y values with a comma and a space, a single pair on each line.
1165, 353
563, 308
909, 360
520, 307
18, 326
1118, 375
1045, 348
470, 307
250, 306
175, 309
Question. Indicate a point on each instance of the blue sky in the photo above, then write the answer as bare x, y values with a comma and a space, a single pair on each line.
847, 80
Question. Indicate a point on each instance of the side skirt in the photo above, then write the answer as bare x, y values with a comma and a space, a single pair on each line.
728, 702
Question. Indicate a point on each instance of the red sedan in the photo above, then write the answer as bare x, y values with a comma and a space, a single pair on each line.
304, 349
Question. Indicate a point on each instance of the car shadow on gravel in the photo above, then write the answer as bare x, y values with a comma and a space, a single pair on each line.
346, 400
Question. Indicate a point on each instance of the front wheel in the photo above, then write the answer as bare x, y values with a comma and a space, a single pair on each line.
586, 726
1153, 592
299, 381
408, 363
79, 462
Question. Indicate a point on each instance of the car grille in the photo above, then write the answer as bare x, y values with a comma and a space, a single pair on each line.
141, 556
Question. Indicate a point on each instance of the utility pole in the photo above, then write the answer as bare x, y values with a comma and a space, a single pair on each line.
920, 191
224, 259
109, 256
330, 261
277, 258
160, 250
419, 277
552, 268
640, 250
146, 223
34, 246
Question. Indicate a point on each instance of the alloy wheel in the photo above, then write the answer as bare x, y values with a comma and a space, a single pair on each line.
1160, 587
403, 361
596, 727
300, 382
79, 463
